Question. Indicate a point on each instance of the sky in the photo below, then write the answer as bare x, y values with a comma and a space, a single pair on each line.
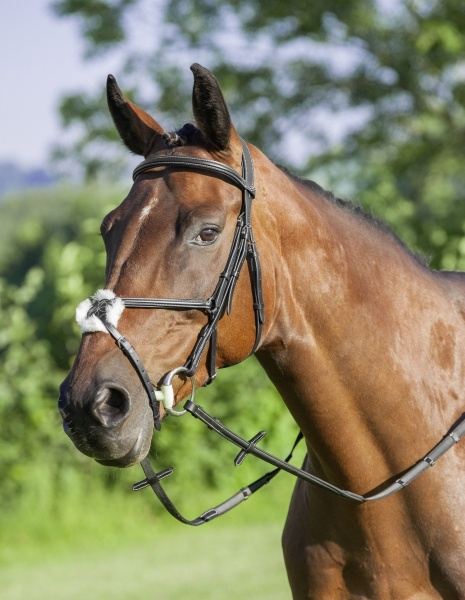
41, 59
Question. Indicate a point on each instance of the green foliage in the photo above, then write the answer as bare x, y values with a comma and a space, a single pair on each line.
28, 379
38, 467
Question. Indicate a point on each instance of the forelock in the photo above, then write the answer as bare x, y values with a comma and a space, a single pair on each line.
188, 135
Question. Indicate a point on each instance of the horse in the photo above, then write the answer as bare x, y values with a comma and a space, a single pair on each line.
364, 342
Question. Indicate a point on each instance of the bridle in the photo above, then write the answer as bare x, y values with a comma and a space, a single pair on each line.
242, 249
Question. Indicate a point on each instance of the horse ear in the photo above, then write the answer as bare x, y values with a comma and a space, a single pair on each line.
136, 128
210, 110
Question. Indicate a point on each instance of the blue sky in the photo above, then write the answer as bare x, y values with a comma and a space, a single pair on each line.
41, 58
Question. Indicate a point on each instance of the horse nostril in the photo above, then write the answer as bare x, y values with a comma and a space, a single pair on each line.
110, 406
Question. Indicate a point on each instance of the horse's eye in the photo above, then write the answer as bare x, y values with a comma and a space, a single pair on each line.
207, 236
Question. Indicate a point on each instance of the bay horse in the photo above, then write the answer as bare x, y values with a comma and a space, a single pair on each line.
364, 342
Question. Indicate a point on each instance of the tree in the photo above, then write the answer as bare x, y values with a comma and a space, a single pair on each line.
369, 95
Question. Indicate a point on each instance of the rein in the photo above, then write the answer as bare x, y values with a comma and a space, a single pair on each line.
250, 447
242, 249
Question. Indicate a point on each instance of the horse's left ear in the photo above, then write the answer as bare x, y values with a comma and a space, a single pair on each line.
210, 110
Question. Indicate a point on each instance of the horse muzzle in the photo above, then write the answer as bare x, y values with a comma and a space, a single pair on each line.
106, 425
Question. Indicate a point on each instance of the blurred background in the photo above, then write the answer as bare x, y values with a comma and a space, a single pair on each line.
366, 97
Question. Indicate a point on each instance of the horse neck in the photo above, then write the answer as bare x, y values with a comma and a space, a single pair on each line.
345, 332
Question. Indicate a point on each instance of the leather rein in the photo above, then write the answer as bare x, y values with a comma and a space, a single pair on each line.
242, 249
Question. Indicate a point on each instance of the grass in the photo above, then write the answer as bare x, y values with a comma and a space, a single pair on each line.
126, 548
211, 562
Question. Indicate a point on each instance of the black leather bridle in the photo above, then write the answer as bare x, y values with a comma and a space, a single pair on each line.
242, 249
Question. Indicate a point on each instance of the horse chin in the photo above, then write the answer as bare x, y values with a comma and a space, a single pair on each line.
138, 452
113, 450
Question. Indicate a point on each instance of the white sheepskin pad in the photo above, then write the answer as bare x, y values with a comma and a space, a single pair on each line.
93, 323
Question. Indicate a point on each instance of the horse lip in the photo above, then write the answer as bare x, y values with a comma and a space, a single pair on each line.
129, 459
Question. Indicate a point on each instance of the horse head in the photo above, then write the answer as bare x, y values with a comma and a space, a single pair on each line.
169, 239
